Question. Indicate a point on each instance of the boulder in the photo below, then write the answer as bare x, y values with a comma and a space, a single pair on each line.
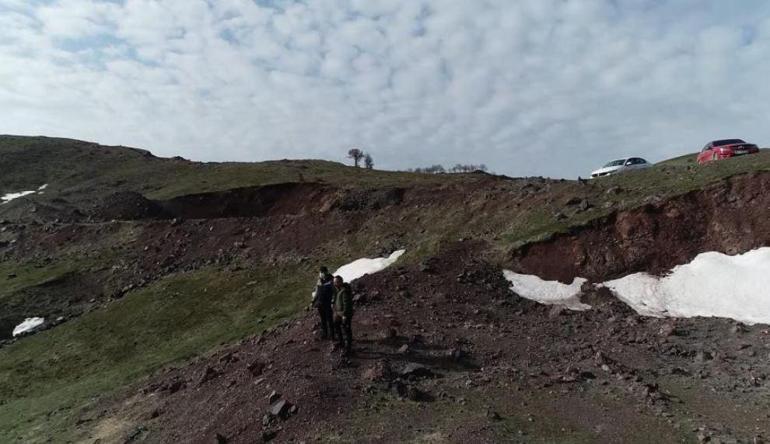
280, 409
416, 370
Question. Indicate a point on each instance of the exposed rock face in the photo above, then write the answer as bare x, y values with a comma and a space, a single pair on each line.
730, 217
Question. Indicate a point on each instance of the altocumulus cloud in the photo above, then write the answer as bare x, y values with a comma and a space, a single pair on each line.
530, 87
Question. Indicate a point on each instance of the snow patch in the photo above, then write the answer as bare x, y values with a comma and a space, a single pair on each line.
28, 326
713, 284
534, 288
11, 196
361, 267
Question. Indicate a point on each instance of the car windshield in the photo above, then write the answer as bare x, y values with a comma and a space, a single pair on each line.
615, 163
727, 142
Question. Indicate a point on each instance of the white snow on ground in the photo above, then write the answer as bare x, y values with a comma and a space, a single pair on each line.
361, 267
29, 324
713, 284
11, 196
532, 287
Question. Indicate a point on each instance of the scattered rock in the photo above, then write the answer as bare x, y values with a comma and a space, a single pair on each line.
493, 415
280, 409
416, 370
273, 397
390, 334
703, 356
556, 311
268, 435
738, 328
668, 329
415, 394
584, 205
456, 354
256, 368
209, 374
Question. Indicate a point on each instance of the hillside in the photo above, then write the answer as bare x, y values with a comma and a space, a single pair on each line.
176, 294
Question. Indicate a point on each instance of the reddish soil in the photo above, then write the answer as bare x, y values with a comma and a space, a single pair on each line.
731, 217
496, 368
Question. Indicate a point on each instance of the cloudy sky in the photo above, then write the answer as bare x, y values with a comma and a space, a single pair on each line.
529, 87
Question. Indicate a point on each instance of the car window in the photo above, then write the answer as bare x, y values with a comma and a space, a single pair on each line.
726, 142
614, 163
639, 161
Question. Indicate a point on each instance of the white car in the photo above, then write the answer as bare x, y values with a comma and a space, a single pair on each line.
621, 166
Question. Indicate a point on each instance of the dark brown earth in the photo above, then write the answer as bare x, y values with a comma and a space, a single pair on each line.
492, 368
730, 217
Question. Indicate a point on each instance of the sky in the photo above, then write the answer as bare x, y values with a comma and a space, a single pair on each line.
527, 87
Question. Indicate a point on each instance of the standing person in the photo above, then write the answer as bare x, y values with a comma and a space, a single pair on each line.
323, 300
343, 317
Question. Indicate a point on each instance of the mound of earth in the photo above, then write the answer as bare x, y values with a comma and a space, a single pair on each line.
128, 205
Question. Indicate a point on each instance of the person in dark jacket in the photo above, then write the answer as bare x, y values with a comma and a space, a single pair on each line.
323, 300
343, 316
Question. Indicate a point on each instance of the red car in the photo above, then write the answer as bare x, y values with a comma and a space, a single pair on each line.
724, 149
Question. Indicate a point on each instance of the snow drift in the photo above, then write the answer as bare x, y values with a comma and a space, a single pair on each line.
11, 196
361, 267
547, 292
713, 284
28, 326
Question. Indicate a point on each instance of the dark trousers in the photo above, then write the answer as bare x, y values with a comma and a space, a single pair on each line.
344, 331
327, 321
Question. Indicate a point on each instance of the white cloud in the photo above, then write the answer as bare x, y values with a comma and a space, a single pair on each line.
549, 87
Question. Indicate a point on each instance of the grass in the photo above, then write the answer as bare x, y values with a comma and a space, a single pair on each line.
82, 170
46, 380
30, 275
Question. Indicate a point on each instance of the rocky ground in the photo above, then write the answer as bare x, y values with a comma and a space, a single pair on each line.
445, 353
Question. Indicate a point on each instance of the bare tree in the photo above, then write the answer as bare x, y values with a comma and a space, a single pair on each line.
355, 154
368, 161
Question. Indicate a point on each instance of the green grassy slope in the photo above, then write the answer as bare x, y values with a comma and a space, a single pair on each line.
47, 379
76, 169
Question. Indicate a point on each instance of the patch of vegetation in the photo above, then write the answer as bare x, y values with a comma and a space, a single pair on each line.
84, 170
47, 379
28, 274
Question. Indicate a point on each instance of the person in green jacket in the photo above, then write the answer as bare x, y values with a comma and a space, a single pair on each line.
343, 313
